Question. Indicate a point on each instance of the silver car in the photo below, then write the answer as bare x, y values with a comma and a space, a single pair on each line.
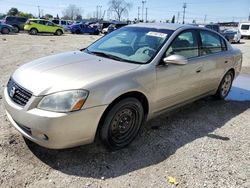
111, 88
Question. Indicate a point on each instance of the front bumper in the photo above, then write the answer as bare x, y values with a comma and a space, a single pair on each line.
53, 130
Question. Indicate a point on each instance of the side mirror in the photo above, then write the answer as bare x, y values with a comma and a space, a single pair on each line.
175, 59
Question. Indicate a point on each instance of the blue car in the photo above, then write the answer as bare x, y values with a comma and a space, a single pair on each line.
84, 28
5, 28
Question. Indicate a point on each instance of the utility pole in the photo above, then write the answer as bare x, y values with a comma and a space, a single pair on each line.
100, 12
146, 15
38, 11
138, 17
249, 17
184, 12
178, 16
142, 15
97, 12
205, 18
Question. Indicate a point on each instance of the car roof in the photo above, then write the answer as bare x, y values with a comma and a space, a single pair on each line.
168, 26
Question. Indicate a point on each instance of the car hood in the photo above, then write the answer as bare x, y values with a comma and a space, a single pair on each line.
71, 70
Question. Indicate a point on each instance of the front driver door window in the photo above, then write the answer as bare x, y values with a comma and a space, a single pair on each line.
185, 44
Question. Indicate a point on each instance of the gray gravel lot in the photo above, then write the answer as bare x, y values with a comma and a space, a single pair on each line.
204, 144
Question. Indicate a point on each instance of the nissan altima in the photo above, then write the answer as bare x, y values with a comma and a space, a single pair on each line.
109, 89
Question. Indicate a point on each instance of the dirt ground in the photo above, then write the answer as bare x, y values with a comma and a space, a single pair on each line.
205, 144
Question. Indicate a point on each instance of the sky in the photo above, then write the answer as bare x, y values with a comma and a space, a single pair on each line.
159, 10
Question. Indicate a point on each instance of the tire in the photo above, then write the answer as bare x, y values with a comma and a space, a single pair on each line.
16, 28
78, 31
33, 31
5, 30
59, 32
225, 86
122, 123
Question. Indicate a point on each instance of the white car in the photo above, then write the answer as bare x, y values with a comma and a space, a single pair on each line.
244, 29
64, 23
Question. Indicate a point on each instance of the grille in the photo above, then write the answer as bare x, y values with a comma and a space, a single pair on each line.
17, 93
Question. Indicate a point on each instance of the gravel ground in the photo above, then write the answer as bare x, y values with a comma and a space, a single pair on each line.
204, 144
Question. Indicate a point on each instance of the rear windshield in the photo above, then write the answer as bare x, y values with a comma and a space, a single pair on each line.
245, 27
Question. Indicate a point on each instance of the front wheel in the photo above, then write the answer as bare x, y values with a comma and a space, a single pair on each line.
122, 123
5, 30
225, 86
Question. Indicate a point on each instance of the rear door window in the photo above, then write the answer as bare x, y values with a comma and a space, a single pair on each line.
245, 27
211, 43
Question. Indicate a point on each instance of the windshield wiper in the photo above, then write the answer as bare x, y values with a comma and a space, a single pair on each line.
103, 54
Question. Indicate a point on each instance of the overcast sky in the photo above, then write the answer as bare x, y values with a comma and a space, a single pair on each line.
214, 10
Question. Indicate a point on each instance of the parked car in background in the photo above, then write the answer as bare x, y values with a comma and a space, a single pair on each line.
214, 27
84, 27
232, 35
35, 26
5, 28
110, 88
16, 21
244, 29
115, 26
64, 23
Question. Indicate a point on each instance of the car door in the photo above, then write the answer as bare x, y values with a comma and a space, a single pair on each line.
50, 27
179, 83
41, 25
215, 58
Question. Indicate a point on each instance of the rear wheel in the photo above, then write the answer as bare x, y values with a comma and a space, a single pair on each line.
33, 31
16, 29
78, 31
225, 86
5, 30
59, 32
122, 123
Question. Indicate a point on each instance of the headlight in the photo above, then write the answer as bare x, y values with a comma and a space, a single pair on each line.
65, 101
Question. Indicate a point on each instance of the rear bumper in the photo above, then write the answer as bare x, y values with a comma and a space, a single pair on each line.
54, 130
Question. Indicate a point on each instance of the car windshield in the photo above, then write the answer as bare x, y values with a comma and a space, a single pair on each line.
131, 44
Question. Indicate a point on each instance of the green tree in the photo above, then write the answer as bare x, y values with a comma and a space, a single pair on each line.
48, 16
25, 14
13, 12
